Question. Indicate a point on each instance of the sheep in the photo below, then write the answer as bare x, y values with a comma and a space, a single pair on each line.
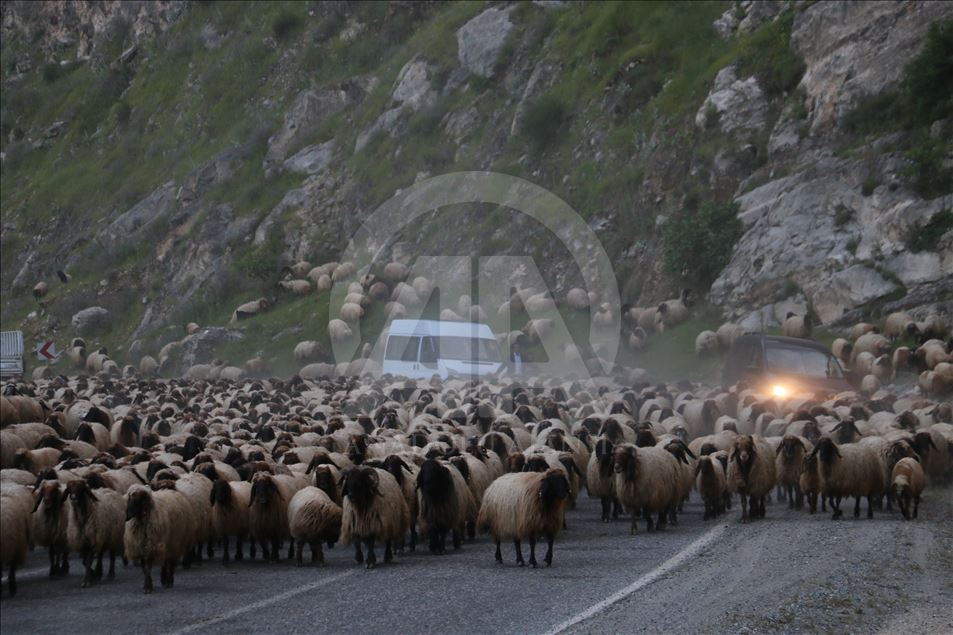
268, 515
789, 464
842, 349
706, 344
860, 329
444, 501
711, 485
296, 287
94, 526
810, 483
873, 343
928, 355
577, 299
647, 480
933, 326
37, 460
374, 509
600, 480
343, 271
673, 312
339, 331
850, 469
907, 482
869, 385
751, 473
313, 518
727, 333
229, 515
40, 289
351, 313
50, 523
525, 506
247, 310
797, 326
900, 324
15, 526
159, 528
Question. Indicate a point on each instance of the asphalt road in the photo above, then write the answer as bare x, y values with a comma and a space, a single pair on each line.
791, 572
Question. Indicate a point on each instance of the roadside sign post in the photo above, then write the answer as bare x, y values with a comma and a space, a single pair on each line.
46, 351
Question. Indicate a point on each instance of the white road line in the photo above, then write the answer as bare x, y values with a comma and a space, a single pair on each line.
262, 603
26, 574
672, 563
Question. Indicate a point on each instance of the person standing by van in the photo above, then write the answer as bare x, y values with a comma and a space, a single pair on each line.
516, 359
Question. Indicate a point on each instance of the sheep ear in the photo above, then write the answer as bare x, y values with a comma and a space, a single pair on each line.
780, 447
803, 444
92, 495
39, 499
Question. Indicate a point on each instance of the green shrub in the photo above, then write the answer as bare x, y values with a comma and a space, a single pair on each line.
869, 185
842, 215
927, 173
543, 120
699, 245
926, 238
286, 25
929, 76
767, 54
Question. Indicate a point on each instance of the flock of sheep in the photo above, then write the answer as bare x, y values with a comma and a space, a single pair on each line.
165, 472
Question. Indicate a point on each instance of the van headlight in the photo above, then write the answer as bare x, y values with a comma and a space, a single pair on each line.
780, 391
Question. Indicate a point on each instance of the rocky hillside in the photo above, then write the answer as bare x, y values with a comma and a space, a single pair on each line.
172, 157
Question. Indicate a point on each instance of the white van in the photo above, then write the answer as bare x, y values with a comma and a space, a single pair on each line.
423, 348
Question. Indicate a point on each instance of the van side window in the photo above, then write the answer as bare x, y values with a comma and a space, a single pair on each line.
403, 348
430, 350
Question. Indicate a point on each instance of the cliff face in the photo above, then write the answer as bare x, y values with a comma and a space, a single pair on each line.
173, 156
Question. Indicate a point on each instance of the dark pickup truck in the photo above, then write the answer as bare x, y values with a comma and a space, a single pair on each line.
783, 366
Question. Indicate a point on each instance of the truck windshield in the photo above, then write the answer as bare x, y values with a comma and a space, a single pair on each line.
801, 361
467, 349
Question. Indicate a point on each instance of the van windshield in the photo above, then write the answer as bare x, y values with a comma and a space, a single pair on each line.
467, 349
801, 361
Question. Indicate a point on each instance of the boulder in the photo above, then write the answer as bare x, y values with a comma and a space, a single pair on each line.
91, 320
854, 49
479, 41
312, 159
310, 109
199, 348
853, 287
413, 86
736, 104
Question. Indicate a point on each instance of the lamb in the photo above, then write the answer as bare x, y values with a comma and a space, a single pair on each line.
313, 518
706, 344
797, 326
94, 526
268, 515
789, 464
907, 482
525, 506
159, 527
711, 485
374, 509
751, 472
50, 523
15, 536
850, 469
647, 480
444, 501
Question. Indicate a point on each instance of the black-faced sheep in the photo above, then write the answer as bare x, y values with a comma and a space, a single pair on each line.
600, 478
797, 326
751, 473
374, 509
158, 529
50, 523
850, 469
229, 514
95, 523
647, 480
268, 511
313, 518
711, 485
525, 506
789, 464
444, 500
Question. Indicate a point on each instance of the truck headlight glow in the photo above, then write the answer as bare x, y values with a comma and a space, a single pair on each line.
779, 391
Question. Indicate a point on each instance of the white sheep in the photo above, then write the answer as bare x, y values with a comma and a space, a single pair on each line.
15, 526
706, 344
907, 483
647, 479
159, 529
850, 469
751, 473
339, 330
374, 509
313, 518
